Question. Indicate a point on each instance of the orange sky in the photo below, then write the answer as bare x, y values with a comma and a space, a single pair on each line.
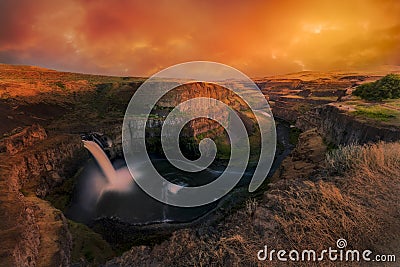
260, 38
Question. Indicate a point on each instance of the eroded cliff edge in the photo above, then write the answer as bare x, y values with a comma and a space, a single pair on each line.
337, 126
33, 232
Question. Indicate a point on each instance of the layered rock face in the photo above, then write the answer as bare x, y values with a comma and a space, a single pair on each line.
27, 137
290, 98
200, 89
198, 127
207, 90
340, 128
307, 157
34, 233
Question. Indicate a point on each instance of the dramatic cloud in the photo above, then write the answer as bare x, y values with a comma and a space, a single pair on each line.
125, 37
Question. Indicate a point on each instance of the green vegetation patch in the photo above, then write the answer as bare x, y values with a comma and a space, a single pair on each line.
376, 112
393, 102
62, 194
294, 134
88, 245
386, 88
61, 85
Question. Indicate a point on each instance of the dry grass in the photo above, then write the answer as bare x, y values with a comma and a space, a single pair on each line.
356, 198
251, 207
383, 158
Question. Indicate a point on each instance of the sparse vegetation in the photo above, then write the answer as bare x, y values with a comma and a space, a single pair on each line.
88, 246
303, 108
386, 88
61, 85
380, 158
251, 207
294, 134
376, 112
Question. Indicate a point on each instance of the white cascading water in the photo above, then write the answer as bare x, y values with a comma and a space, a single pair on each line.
165, 198
117, 180
102, 160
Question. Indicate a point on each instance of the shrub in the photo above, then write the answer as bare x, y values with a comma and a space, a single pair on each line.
251, 207
386, 88
61, 85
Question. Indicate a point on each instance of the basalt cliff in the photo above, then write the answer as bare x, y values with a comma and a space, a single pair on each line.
337, 126
34, 233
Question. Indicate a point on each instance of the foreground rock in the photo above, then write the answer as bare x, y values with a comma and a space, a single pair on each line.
307, 158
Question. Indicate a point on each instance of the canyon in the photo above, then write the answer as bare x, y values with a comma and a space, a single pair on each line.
41, 152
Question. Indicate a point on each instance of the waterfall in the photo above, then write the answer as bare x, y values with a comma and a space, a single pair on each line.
165, 198
102, 160
117, 180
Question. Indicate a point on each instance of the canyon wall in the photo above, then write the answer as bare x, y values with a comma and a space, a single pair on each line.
314, 101
339, 127
290, 98
199, 127
36, 233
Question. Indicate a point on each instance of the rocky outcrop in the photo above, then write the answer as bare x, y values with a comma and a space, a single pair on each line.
19, 232
201, 126
41, 235
287, 111
34, 233
195, 128
339, 127
45, 166
306, 158
25, 138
